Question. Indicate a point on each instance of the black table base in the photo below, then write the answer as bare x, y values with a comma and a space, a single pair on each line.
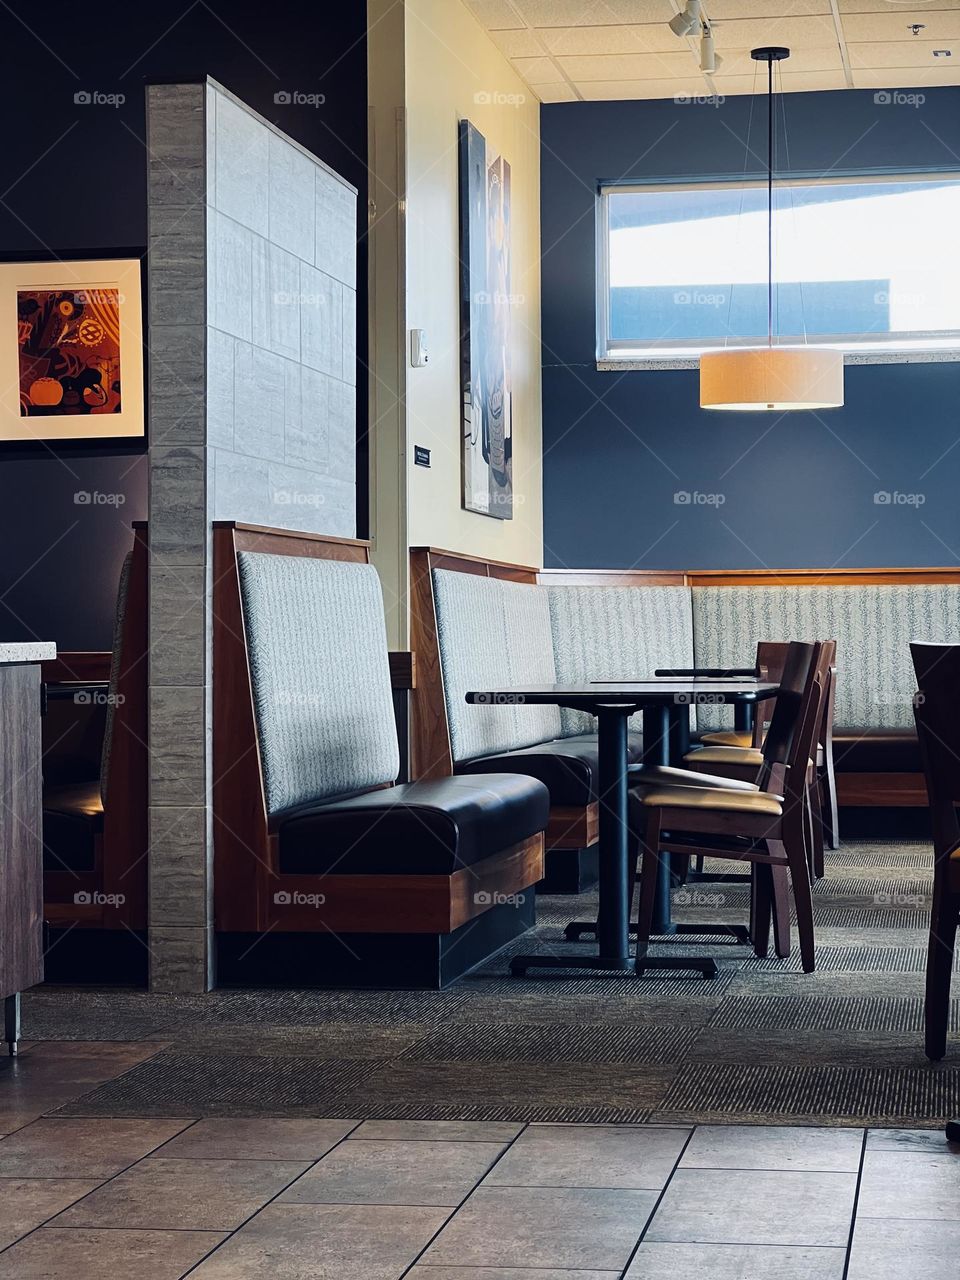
578, 929
519, 965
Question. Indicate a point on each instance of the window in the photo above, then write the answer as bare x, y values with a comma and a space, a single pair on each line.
869, 265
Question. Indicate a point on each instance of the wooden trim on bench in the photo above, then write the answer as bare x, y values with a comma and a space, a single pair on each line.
573, 827
890, 790
819, 577
404, 903
612, 578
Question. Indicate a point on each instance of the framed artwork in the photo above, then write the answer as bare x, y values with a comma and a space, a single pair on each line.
71, 350
485, 321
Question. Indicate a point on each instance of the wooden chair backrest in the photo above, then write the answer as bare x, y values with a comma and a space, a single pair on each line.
935, 709
789, 739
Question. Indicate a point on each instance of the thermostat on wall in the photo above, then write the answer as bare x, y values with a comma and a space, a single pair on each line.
421, 456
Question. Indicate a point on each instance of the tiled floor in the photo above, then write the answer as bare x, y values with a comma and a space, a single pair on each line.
238, 1199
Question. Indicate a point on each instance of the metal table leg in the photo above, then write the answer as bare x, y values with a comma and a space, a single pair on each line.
614, 912
11, 1022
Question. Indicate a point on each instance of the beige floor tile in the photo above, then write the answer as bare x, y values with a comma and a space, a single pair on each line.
258, 1139
563, 1228
914, 1185
438, 1130
384, 1172
735, 1262
53, 1254
193, 1195
762, 1207
324, 1242
566, 1155
78, 1148
506, 1273
928, 1141
774, 1147
27, 1202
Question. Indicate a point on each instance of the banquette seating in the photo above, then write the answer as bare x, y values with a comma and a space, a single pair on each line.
481, 623
95, 795
327, 871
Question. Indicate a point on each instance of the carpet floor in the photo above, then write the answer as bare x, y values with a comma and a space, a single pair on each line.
761, 1042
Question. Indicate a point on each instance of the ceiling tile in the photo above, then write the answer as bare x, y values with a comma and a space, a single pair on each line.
518, 44
629, 66
554, 92
494, 14
800, 82
906, 78
814, 32
940, 24
889, 53
619, 90
738, 62
652, 37
538, 70
719, 10
592, 13
908, 10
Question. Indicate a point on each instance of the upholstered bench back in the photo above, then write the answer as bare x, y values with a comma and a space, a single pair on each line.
493, 634
872, 625
320, 675
617, 633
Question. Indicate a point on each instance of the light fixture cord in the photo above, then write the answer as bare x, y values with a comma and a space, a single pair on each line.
769, 202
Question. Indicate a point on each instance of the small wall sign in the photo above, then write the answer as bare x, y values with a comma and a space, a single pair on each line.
421, 456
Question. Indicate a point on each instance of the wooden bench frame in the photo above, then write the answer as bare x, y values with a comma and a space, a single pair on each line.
432, 756
121, 849
246, 861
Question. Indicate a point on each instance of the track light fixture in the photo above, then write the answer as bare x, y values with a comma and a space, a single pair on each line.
686, 23
709, 61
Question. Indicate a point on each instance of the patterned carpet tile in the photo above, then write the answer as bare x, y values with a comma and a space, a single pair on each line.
823, 1013
831, 1095
508, 1042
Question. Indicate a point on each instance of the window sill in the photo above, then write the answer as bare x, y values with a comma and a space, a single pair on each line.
626, 364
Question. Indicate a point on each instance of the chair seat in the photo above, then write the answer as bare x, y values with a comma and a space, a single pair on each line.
709, 798
72, 818
568, 767
418, 828
727, 738
724, 755
876, 750
662, 775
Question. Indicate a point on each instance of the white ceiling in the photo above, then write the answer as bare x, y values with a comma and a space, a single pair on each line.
592, 50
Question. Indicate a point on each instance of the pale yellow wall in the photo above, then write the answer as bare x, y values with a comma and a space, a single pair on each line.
454, 72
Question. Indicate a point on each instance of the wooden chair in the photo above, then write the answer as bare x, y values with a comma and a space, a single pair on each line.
764, 828
770, 659
738, 755
935, 711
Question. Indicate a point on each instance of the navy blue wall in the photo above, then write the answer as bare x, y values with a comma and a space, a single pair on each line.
798, 489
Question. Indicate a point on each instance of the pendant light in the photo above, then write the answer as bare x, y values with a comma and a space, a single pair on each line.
771, 377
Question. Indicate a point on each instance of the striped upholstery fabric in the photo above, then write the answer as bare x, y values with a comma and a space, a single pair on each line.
321, 679
873, 627
493, 634
617, 633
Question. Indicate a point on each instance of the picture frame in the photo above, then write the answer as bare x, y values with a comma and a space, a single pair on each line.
486, 422
72, 356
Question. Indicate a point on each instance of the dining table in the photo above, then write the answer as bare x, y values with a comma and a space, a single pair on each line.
665, 703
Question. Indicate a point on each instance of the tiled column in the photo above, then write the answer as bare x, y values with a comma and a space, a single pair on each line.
252, 376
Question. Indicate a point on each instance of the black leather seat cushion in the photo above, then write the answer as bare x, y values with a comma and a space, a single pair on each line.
567, 766
417, 828
876, 751
72, 817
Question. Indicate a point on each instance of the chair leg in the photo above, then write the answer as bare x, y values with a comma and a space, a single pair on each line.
11, 1023
816, 827
831, 814
650, 859
781, 911
761, 905
943, 932
802, 897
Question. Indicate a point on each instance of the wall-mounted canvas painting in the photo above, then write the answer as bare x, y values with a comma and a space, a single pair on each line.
71, 350
485, 319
